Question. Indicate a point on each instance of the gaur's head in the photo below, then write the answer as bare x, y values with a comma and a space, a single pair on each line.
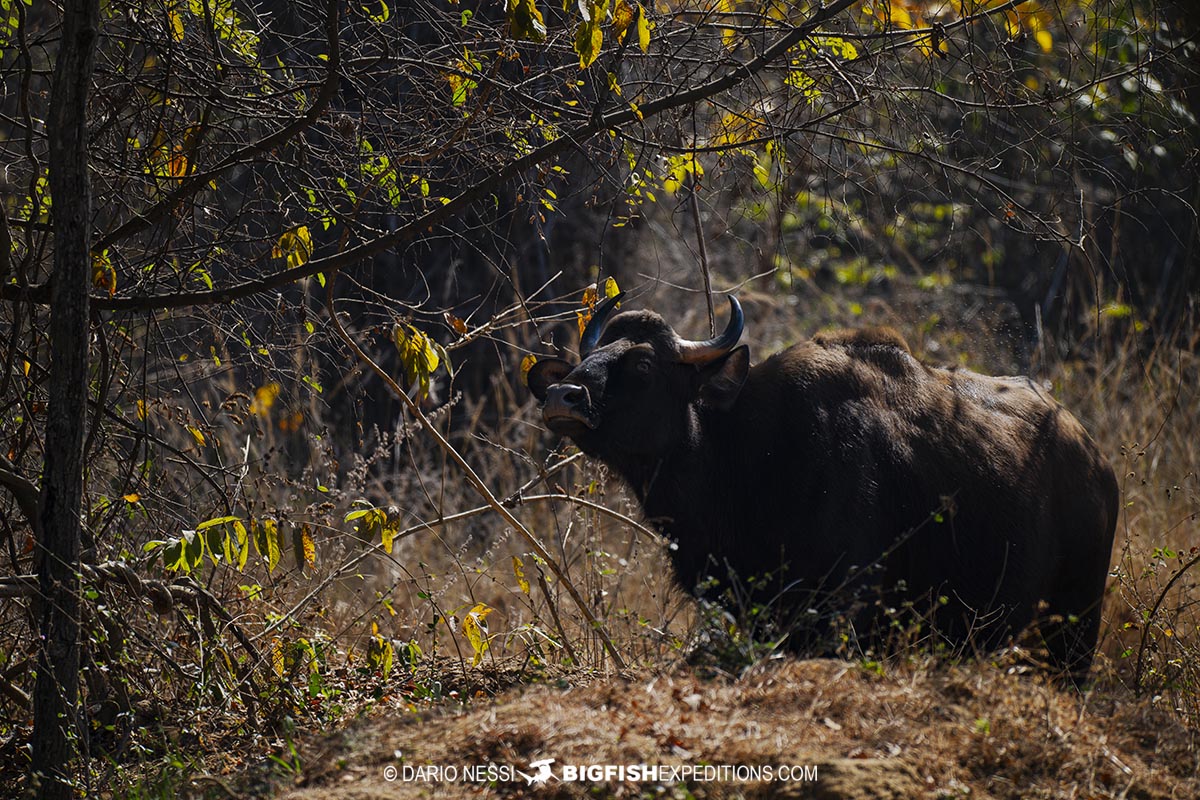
638, 386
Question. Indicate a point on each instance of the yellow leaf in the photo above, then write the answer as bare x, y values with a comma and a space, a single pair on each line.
611, 289
388, 534
418, 355
519, 571
1045, 40
294, 245
176, 23
132, 497
474, 627
622, 18
277, 660
379, 651
104, 276
310, 546
266, 542
527, 364
838, 46
197, 434
1012, 24
526, 21
455, 323
243, 543
264, 398
591, 295
728, 35
643, 29
588, 41
141, 408
613, 86
898, 15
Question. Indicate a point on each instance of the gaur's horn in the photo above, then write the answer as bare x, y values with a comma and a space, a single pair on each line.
703, 352
595, 326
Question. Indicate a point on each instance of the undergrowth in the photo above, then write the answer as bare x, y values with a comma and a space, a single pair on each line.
454, 609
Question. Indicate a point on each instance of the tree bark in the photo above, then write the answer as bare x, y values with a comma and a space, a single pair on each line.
56, 733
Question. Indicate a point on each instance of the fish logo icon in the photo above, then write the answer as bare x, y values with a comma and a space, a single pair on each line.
543, 774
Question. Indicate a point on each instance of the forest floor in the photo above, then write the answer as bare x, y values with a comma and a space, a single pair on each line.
786, 728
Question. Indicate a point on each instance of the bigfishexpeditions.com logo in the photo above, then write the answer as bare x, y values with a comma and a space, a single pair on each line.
543, 771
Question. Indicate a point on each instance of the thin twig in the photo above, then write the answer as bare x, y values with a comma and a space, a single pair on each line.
473, 478
541, 579
1162, 596
694, 186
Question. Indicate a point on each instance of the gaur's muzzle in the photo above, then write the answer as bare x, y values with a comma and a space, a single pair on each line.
568, 406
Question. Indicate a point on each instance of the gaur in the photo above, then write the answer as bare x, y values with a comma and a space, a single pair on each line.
852, 476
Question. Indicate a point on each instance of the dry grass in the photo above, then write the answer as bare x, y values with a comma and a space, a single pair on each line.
919, 730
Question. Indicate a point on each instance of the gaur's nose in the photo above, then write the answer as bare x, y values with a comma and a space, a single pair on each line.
567, 396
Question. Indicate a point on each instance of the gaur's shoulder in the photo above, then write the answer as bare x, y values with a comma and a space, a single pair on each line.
846, 363
862, 338
864, 356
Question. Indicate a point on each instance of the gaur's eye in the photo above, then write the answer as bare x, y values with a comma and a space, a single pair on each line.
642, 366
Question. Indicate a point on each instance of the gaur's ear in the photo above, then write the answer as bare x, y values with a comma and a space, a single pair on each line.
723, 380
545, 373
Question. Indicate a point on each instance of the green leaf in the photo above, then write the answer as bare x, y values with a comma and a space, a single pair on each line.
373, 524
208, 523
174, 559
243, 544
379, 652
193, 550
266, 542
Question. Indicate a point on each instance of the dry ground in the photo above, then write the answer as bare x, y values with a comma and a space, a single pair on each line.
978, 730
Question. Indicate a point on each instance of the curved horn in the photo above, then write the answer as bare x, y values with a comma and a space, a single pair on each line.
703, 352
595, 326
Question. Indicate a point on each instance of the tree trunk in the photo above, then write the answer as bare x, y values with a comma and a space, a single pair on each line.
55, 733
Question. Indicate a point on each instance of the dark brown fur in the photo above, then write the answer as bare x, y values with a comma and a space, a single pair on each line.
849, 473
